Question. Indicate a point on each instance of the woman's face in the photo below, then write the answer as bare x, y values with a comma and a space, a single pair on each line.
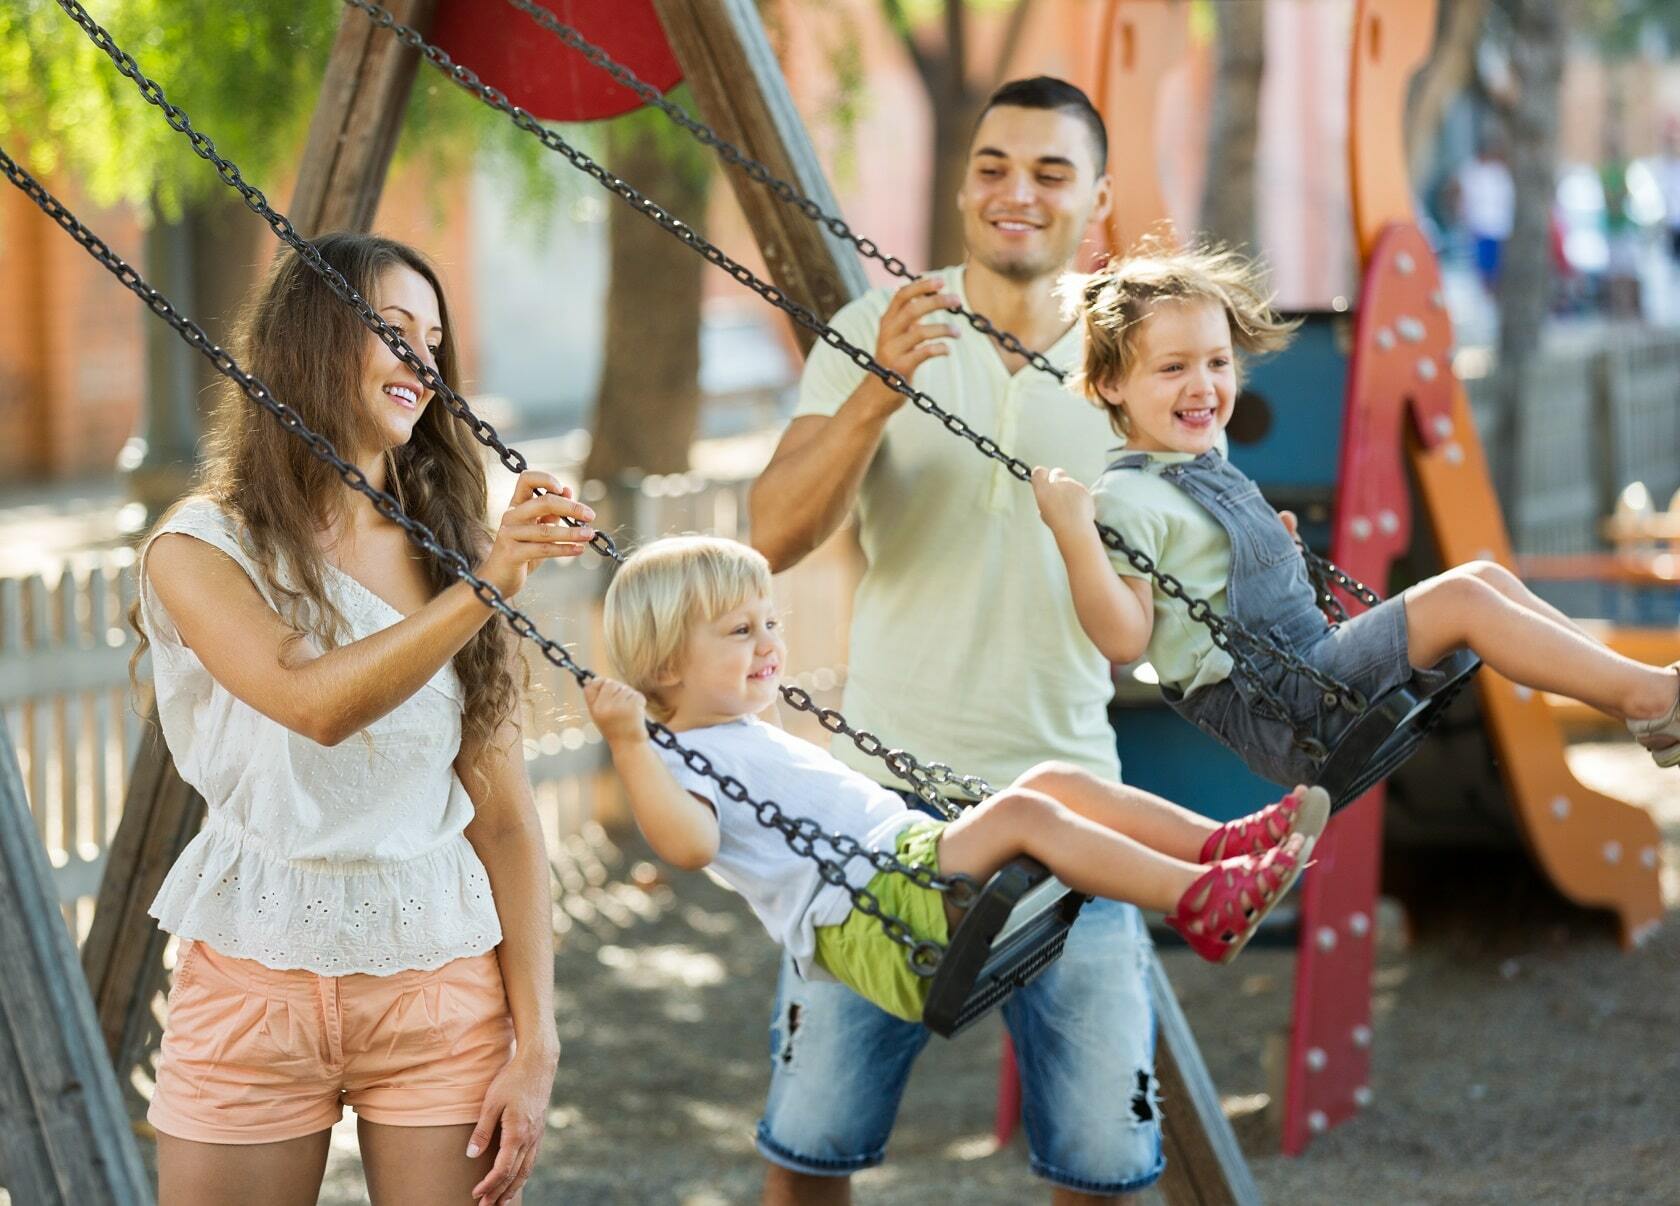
391, 392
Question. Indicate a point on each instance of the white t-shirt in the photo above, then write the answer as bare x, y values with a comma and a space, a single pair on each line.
965, 648
1490, 199
803, 780
332, 859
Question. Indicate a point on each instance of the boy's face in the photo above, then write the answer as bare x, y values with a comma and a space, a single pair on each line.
730, 666
1183, 380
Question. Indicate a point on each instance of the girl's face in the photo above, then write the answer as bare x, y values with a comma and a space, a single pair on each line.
1183, 380
392, 394
730, 666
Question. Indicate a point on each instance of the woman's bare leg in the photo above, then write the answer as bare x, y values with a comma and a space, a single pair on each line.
253, 1174
1461, 608
421, 1165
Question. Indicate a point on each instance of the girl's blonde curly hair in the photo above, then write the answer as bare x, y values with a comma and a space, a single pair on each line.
1112, 303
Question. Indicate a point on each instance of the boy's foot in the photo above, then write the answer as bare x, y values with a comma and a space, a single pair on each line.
1306, 810
1661, 736
1219, 913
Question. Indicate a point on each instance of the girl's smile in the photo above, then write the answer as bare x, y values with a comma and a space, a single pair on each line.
1182, 385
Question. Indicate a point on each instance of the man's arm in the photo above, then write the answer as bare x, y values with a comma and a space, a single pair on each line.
812, 481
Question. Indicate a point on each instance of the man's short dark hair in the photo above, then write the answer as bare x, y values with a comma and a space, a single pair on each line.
1048, 92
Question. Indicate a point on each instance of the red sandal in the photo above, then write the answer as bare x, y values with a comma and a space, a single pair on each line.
1219, 913
1306, 810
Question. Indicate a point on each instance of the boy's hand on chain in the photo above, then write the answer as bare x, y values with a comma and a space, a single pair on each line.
620, 712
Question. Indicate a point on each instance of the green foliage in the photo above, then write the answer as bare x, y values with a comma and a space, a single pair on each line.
248, 73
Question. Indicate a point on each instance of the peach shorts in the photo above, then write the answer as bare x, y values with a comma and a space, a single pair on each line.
255, 1055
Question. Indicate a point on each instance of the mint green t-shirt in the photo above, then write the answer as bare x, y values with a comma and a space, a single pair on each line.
1179, 536
965, 647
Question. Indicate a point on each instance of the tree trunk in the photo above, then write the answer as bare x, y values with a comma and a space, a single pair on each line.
1525, 274
953, 124
648, 402
204, 265
1234, 132
1448, 71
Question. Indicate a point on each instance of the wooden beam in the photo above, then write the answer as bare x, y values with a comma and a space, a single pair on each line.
357, 118
123, 955
738, 86
1205, 1166
64, 1135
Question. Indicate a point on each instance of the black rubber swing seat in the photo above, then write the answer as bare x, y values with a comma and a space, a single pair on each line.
1391, 729
1015, 928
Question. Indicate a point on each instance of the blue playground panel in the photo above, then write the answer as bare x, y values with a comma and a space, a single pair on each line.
1624, 606
1295, 459
1173, 758
1303, 388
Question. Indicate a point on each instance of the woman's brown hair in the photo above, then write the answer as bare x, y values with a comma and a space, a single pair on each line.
311, 350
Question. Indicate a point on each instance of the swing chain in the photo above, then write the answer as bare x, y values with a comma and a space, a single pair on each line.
761, 174
801, 833
465, 78
907, 768
789, 193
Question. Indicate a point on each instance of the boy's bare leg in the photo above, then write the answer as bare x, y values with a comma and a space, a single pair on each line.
1148, 819
1084, 854
1459, 609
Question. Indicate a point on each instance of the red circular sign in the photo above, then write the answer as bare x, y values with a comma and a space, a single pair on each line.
539, 72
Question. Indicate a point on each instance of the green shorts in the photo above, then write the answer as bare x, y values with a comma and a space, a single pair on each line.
858, 953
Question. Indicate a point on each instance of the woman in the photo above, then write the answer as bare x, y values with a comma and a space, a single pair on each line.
364, 918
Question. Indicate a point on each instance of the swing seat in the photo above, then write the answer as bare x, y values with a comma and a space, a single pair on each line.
1015, 928
1391, 729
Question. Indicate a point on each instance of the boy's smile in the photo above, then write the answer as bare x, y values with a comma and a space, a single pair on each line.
730, 666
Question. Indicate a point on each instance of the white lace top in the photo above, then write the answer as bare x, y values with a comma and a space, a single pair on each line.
341, 859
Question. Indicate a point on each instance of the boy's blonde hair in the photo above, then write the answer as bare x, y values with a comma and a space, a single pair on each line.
662, 590
1112, 303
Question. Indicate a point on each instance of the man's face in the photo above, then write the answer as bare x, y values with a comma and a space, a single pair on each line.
1030, 191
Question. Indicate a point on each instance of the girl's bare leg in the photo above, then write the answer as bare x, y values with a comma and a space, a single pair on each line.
1516, 590
1148, 819
287, 1173
1463, 608
1084, 854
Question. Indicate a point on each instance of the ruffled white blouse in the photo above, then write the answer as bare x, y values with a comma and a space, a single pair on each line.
336, 860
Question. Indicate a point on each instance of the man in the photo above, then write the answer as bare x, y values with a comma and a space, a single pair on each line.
965, 649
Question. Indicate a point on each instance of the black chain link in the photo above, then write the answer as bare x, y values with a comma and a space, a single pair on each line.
1236, 640
760, 173
801, 833
924, 780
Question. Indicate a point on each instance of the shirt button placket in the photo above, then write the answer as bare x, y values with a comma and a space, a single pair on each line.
997, 498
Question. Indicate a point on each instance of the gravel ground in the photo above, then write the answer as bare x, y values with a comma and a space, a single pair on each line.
1533, 1062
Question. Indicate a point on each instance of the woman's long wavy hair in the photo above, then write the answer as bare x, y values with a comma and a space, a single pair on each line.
311, 350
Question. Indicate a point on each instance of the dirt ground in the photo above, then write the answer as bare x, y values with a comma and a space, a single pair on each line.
1532, 1062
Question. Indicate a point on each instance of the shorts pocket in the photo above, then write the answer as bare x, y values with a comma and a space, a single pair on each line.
469, 1004
186, 961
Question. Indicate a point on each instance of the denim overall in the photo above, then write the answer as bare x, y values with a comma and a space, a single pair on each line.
1269, 594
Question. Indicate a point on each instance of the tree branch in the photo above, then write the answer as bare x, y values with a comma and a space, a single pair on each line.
956, 51
1011, 35
927, 67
